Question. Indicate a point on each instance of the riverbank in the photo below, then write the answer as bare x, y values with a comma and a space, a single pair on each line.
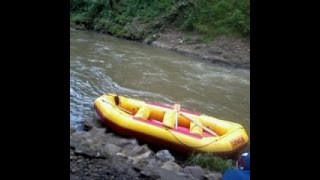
228, 51
97, 154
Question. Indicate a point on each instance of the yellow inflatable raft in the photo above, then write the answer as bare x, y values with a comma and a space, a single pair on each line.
170, 126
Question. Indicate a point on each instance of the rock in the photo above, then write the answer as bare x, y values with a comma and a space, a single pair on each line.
215, 51
164, 155
161, 174
134, 150
197, 47
97, 132
123, 158
171, 166
153, 162
168, 175
111, 148
149, 174
72, 131
213, 176
84, 148
181, 174
73, 177
141, 157
93, 143
137, 168
124, 142
96, 143
195, 171
150, 38
134, 31
122, 155
90, 123
121, 142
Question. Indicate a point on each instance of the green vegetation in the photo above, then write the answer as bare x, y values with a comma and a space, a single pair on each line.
139, 19
210, 162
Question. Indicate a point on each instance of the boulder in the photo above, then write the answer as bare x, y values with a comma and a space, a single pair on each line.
195, 171
164, 155
171, 166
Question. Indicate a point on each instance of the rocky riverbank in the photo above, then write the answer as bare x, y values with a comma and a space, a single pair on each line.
223, 50
96, 153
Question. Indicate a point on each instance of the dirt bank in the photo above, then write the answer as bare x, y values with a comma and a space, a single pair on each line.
223, 50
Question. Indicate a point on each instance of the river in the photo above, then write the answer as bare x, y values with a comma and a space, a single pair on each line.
101, 63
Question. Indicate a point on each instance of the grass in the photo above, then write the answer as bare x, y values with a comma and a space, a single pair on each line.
210, 161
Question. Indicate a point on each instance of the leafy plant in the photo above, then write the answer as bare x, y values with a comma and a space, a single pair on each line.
210, 161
